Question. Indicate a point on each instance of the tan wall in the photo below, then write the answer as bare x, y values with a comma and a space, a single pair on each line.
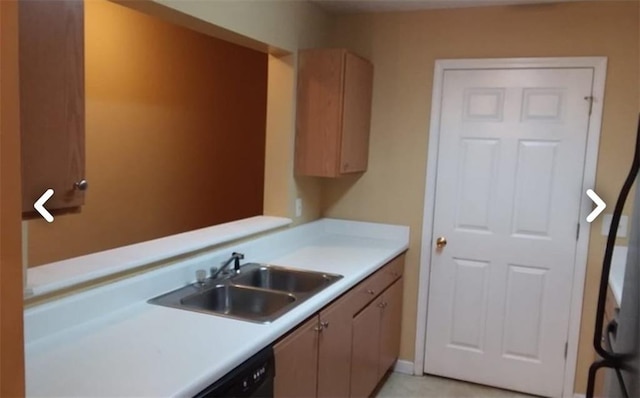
403, 48
175, 135
281, 187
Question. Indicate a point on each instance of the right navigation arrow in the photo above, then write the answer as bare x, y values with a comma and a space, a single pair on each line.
600, 205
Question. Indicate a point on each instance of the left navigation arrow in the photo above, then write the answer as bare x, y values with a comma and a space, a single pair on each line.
39, 205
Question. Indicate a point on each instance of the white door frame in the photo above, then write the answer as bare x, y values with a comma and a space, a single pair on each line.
599, 65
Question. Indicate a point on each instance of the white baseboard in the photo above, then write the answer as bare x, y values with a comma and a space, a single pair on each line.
405, 367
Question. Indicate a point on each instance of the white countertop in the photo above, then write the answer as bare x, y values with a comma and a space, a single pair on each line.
110, 342
63, 274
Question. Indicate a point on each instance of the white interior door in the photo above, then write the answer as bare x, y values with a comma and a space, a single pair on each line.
509, 183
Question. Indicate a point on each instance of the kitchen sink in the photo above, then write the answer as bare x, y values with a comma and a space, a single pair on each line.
239, 302
258, 293
283, 279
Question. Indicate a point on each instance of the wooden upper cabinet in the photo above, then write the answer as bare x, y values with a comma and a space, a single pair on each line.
333, 113
52, 101
296, 358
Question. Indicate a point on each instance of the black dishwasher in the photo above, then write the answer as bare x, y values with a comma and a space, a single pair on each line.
253, 378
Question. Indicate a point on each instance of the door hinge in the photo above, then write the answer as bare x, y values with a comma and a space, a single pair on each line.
577, 231
590, 99
566, 349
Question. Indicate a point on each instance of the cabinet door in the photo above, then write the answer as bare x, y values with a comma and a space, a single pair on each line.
334, 353
52, 101
390, 327
356, 119
365, 352
296, 358
319, 112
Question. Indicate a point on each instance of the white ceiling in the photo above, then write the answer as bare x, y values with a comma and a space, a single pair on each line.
356, 6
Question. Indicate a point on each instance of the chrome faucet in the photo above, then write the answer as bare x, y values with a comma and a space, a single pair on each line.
235, 258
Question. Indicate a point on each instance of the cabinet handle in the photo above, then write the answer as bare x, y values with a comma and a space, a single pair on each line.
369, 291
395, 274
81, 185
380, 305
318, 328
324, 325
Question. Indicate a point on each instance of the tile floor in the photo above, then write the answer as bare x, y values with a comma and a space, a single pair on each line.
405, 386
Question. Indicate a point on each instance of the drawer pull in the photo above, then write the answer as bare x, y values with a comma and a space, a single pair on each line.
369, 291
318, 328
324, 325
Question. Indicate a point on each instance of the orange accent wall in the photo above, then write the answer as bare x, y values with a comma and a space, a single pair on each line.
175, 135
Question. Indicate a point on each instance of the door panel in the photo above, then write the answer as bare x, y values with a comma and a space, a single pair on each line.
509, 183
477, 169
469, 304
390, 327
296, 358
356, 118
334, 352
523, 315
536, 165
52, 101
365, 354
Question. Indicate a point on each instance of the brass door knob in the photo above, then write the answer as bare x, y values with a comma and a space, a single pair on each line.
441, 242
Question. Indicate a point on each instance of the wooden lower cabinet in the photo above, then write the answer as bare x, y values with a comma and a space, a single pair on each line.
346, 349
376, 340
296, 358
365, 352
390, 327
334, 349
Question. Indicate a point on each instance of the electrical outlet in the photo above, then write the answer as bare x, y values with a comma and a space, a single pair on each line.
298, 207
622, 226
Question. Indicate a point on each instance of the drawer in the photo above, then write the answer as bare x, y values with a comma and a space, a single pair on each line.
364, 292
393, 270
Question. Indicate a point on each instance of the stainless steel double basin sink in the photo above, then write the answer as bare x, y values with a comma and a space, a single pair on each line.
258, 293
